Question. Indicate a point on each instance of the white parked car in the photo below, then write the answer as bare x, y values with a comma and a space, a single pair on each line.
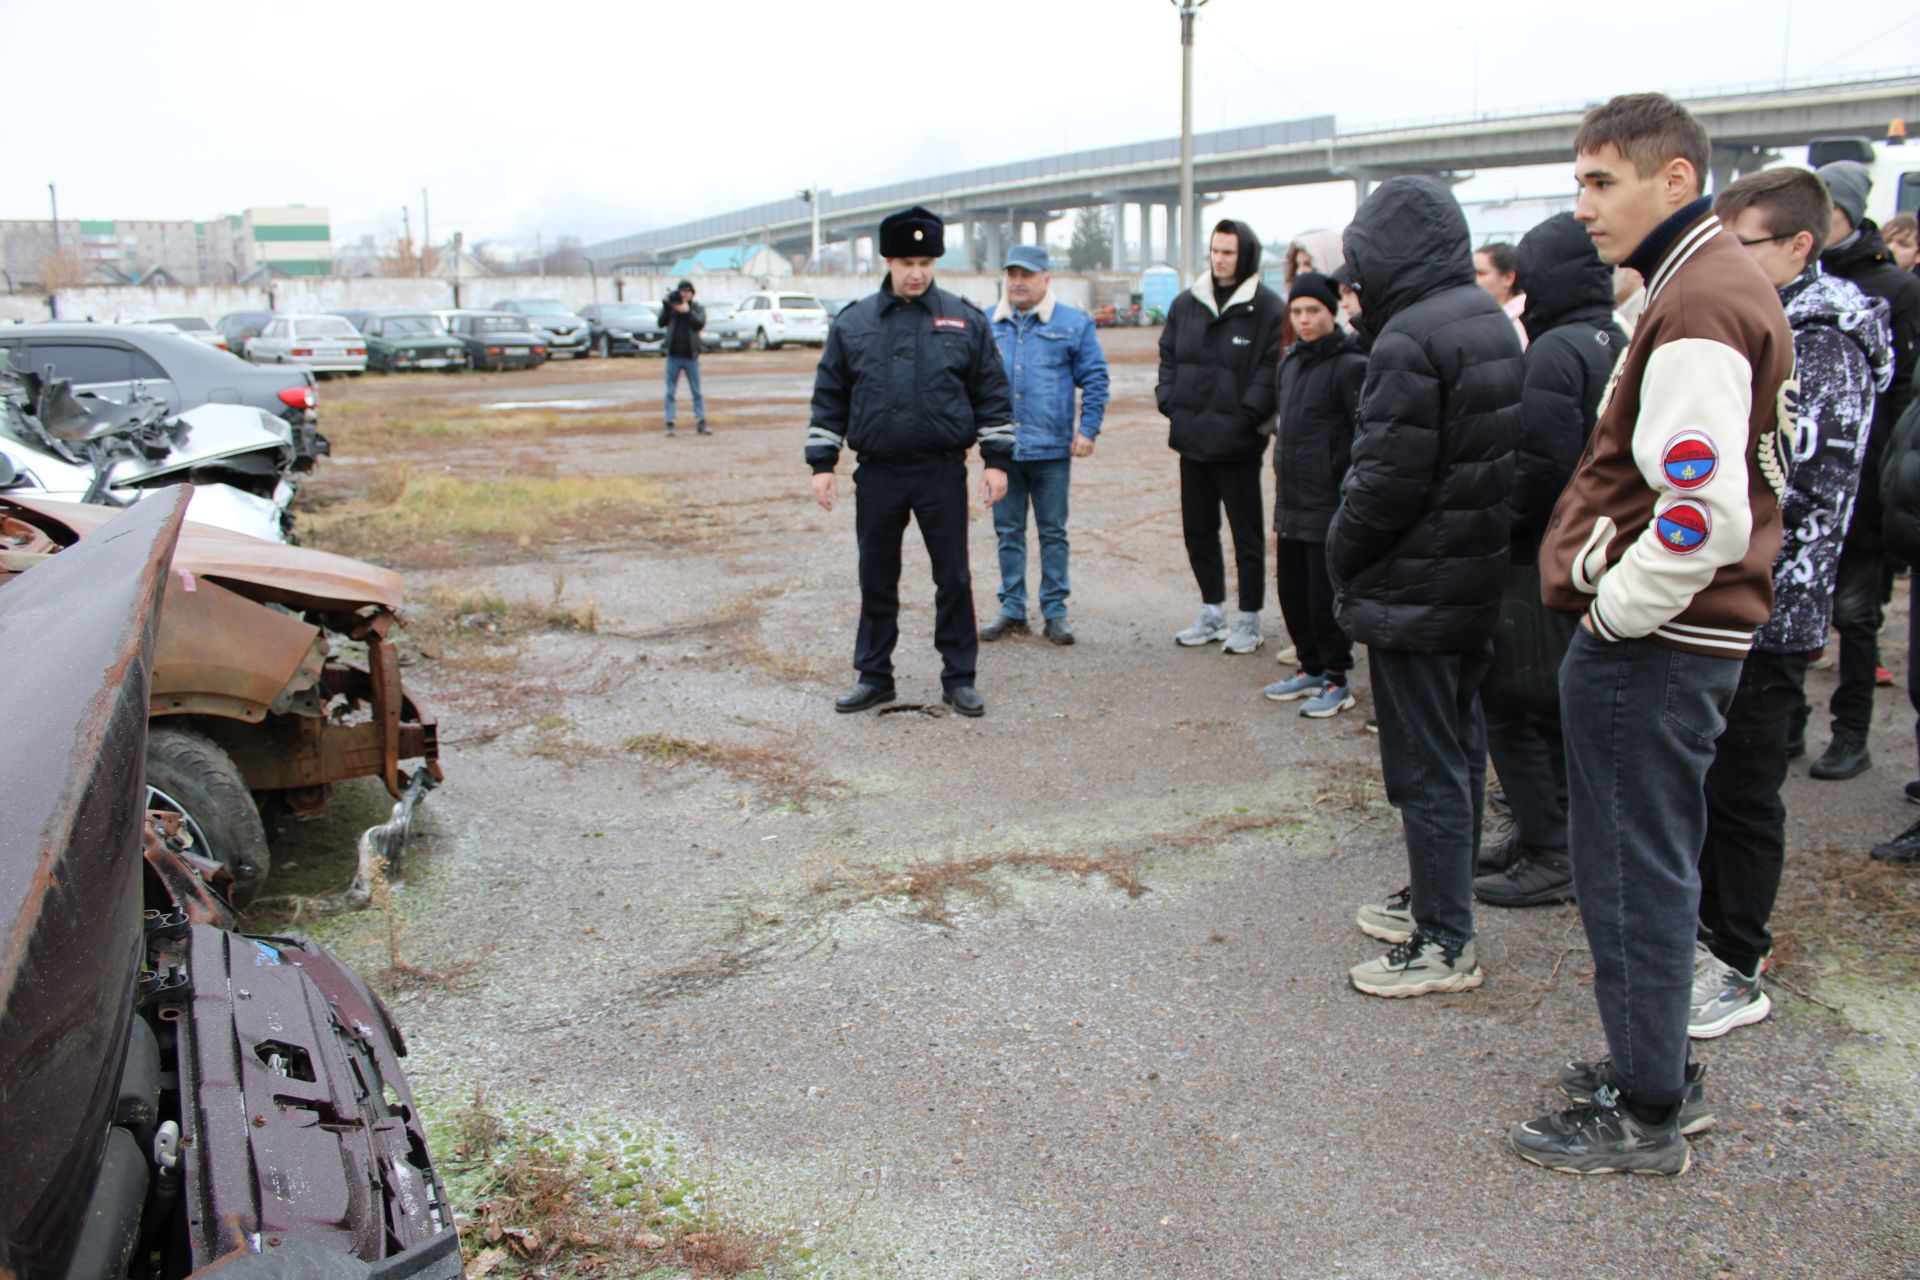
324, 344
192, 326
771, 319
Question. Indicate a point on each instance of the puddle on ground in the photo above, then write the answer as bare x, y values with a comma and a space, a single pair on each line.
552, 404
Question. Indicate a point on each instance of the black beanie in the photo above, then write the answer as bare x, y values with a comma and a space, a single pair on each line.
912, 233
1311, 284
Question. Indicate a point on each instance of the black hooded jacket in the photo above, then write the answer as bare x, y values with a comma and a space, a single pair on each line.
1573, 343
1418, 549
1217, 357
1319, 396
1870, 265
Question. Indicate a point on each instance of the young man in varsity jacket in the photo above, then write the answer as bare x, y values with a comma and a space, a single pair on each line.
1663, 544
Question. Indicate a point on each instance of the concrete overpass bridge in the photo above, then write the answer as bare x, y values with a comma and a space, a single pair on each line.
1748, 124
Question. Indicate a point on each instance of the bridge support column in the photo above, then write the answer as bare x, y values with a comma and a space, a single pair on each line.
1117, 227
996, 246
1143, 213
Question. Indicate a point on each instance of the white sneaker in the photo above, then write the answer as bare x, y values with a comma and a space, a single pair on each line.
1419, 966
1389, 921
1211, 625
1245, 637
1724, 998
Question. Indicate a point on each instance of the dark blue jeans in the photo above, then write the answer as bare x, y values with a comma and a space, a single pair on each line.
1433, 752
1043, 486
1641, 721
676, 365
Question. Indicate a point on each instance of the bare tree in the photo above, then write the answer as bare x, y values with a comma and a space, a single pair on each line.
566, 258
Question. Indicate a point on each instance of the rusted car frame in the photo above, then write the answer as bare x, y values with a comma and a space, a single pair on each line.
279, 656
179, 1099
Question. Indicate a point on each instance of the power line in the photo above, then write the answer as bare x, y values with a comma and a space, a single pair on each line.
1213, 21
1866, 44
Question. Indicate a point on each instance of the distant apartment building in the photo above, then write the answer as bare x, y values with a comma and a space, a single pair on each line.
295, 240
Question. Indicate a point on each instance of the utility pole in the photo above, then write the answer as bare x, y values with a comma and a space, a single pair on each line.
53, 198
426, 231
406, 226
1184, 240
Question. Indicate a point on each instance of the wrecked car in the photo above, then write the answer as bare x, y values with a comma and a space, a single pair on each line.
87, 448
273, 679
179, 1099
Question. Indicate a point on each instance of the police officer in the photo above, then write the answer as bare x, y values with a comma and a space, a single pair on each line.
910, 379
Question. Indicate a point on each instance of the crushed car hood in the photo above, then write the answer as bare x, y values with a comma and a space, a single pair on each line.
214, 431
299, 577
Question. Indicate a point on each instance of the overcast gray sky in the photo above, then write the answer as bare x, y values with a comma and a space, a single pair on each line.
596, 119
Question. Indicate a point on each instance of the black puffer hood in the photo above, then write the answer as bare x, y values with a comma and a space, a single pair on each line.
1561, 273
1249, 264
1408, 240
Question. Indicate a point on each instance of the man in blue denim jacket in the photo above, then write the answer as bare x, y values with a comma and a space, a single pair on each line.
1049, 349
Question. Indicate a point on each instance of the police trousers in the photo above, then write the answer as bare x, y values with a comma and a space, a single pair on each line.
933, 493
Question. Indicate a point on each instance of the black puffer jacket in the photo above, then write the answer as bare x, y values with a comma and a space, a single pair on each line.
1573, 343
1217, 361
1319, 396
1899, 486
1418, 548
1870, 265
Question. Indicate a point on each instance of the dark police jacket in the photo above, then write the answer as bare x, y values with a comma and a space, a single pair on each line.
908, 379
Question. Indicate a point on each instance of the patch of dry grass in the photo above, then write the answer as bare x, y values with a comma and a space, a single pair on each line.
1838, 907
765, 768
362, 428
931, 887
408, 516
541, 1207
449, 620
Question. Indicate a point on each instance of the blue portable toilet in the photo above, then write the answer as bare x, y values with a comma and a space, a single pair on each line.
1158, 285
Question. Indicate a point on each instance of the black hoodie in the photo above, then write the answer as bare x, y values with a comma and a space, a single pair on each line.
1217, 358
1418, 548
1573, 343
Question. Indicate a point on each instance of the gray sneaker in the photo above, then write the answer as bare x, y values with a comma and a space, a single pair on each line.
1579, 1080
1389, 921
1211, 625
1420, 966
1724, 998
1300, 685
1245, 637
1329, 702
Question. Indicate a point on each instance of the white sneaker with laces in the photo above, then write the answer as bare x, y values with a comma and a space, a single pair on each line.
1724, 998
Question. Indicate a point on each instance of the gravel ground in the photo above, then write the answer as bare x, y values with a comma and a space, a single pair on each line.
1067, 983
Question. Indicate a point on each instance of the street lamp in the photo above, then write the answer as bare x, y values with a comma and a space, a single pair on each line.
812, 196
1183, 238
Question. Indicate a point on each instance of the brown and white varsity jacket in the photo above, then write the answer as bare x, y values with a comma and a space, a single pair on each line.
1670, 524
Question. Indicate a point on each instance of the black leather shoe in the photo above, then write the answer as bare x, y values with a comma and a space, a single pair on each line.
702, 428
1845, 757
1537, 877
1004, 625
965, 699
1059, 631
863, 696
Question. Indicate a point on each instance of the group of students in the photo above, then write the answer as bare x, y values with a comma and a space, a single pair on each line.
1604, 561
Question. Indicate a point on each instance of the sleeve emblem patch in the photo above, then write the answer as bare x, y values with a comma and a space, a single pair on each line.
1684, 526
1689, 460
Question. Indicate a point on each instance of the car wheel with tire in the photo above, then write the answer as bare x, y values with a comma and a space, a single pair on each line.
189, 773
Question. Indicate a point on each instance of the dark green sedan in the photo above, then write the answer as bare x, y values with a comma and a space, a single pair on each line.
401, 340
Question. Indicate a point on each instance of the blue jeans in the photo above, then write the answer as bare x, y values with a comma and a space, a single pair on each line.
1044, 486
1641, 721
676, 365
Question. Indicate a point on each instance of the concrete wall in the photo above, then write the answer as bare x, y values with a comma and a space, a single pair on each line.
328, 293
